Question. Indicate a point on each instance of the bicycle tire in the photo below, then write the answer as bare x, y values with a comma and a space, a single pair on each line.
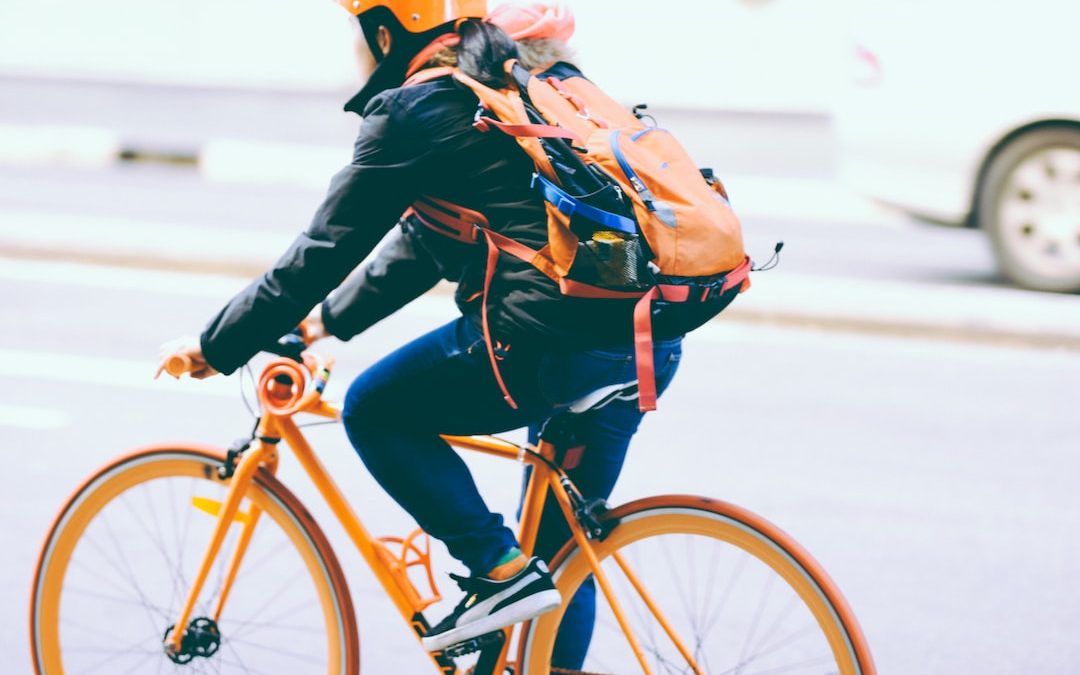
750, 538
115, 484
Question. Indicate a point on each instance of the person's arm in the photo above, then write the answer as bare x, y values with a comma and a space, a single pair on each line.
402, 271
364, 201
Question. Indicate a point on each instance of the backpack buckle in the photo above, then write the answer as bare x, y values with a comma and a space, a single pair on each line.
479, 123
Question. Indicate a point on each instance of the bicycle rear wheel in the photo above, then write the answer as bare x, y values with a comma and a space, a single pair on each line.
119, 559
738, 594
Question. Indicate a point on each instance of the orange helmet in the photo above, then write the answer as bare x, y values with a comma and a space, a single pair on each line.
418, 16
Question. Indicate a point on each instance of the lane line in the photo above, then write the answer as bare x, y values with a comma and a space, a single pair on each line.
992, 318
57, 145
36, 419
119, 278
188, 284
110, 236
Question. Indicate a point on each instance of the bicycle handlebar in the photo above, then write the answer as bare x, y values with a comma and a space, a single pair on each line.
278, 384
178, 364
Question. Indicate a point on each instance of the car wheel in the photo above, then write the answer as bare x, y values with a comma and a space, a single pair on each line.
1029, 204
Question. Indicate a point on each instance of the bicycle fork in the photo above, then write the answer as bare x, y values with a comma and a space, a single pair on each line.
227, 512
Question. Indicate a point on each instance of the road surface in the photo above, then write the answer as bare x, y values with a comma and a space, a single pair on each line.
934, 480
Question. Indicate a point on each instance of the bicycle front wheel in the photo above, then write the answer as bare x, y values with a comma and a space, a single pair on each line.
705, 587
118, 563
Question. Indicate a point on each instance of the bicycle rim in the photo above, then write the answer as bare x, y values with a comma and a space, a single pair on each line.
118, 562
740, 596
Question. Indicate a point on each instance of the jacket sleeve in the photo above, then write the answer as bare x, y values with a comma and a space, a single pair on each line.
364, 201
402, 271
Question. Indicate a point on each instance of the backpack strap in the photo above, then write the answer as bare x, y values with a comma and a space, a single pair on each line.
507, 106
497, 243
427, 75
643, 340
493, 356
448, 219
569, 206
484, 123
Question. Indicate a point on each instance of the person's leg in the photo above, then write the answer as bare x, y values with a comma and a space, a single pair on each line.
606, 435
394, 413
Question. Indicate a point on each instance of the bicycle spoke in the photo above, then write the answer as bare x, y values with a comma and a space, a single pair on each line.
125, 575
111, 652
276, 650
791, 604
766, 589
273, 598
701, 601
153, 537
139, 664
820, 661
732, 583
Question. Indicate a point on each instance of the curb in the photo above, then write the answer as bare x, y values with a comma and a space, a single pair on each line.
974, 314
992, 316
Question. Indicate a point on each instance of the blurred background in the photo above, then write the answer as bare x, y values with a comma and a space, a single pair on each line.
904, 377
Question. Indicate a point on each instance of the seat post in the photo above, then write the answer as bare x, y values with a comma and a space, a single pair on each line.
536, 494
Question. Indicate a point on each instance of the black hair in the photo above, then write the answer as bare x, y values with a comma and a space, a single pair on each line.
391, 68
483, 50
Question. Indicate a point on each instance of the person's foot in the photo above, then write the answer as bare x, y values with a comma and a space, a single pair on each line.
489, 605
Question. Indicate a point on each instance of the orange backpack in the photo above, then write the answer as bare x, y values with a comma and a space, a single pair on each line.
629, 213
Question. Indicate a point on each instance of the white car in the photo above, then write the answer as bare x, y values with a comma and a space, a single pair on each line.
968, 113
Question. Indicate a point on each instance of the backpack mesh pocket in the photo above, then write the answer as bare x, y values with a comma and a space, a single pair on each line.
612, 260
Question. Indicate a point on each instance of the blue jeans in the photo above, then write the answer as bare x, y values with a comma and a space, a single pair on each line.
441, 383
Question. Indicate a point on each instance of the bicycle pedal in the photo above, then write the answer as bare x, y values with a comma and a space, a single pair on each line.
475, 644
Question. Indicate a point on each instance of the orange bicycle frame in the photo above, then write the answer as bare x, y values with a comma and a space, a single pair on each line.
283, 392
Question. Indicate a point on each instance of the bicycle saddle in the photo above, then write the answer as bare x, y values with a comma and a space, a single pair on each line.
627, 391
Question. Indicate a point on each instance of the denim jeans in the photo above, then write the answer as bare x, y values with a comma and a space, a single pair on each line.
441, 383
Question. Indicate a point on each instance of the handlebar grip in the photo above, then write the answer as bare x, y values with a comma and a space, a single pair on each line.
178, 364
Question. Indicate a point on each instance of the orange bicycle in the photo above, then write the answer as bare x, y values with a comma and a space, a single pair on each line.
211, 541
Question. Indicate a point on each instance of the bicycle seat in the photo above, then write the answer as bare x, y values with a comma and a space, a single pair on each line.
627, 391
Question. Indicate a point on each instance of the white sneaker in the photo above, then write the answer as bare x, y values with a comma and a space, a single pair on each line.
489, 605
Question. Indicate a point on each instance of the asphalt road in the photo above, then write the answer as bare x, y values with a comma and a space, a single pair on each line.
935, 481
175, 196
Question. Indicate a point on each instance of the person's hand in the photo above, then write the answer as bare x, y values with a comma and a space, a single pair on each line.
313, 327
186, 347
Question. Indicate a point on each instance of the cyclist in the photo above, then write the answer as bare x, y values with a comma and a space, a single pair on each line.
419, 140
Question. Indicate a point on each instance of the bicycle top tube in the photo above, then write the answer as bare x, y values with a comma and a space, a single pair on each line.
294, 383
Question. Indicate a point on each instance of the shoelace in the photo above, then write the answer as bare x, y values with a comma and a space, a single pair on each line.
467, 584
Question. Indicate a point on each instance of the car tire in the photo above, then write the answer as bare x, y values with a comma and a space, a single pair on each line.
1029, 205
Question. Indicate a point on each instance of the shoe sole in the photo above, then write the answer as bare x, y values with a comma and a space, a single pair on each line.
528, 608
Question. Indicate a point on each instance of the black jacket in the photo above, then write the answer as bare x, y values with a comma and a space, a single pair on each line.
415, 141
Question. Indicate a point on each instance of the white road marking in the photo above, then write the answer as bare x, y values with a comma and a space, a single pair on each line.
271, 163
90, 235
109, 372
38, 419
188, 284
52, 145
119, 278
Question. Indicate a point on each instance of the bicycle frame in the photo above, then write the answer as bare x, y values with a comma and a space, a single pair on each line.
283, 393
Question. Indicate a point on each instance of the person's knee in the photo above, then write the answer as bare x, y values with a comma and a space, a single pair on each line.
359, 410
363, 424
